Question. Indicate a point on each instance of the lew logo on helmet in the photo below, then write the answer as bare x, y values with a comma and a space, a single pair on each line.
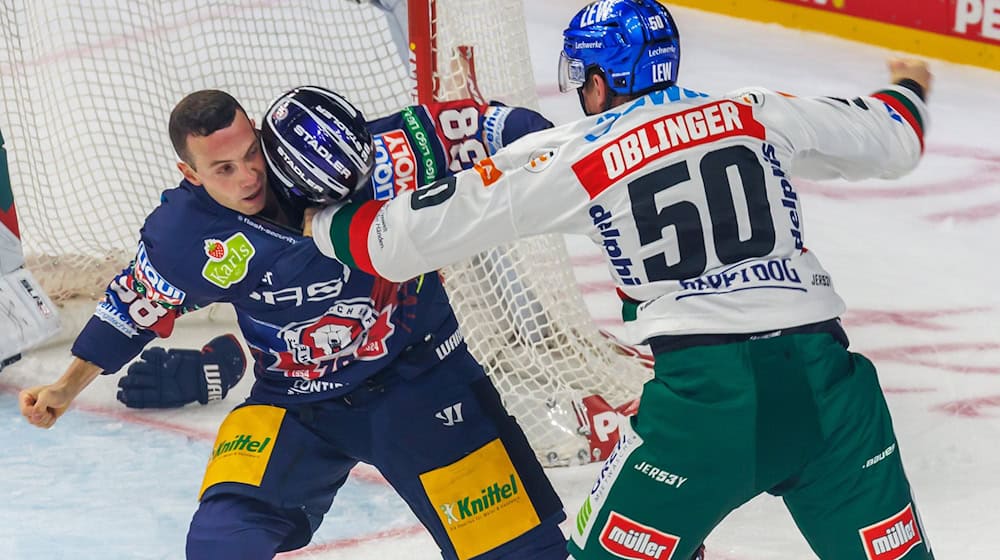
598, 13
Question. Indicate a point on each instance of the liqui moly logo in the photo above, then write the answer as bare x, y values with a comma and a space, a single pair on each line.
156, 287
892, 538
395, 165
627, 539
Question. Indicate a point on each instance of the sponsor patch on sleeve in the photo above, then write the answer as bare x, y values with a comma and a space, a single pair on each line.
480, 500
395, 168
488, 171
153, 284
243, 446
494, 120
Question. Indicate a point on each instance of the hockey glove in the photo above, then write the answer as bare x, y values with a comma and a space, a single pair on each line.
172, 378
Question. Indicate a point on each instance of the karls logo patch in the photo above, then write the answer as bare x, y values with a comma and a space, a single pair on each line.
480, 500
228, 261
655, 139
395, 165
625, 538
892, 538
154, 285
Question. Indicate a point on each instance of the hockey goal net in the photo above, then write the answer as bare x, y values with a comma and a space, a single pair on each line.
86, 90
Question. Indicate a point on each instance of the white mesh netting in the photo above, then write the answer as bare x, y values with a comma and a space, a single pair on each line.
86, 91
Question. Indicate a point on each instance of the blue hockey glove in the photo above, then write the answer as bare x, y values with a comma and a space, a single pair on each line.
172, 378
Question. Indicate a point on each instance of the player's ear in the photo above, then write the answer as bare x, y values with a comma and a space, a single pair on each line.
602, 89
189, 173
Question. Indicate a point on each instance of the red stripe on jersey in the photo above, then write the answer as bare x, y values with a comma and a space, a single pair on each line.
361, 225
662, 136
905, 112
9, 219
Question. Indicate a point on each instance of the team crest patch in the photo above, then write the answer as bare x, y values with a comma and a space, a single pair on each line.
228, 261
541, 159
480, 500
351, 328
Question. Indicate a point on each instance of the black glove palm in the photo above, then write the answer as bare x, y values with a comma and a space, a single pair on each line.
172, 378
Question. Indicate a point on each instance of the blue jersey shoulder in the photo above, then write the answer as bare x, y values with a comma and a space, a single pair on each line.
193, 251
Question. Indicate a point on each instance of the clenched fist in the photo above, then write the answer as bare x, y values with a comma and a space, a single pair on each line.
911, 69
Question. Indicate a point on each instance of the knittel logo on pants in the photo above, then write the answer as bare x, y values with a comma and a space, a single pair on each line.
892, 538
627, 539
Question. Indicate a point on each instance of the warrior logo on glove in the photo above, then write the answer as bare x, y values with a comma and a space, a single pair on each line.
173, 378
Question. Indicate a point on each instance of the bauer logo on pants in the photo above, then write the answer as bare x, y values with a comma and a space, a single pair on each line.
892, 538
627, 539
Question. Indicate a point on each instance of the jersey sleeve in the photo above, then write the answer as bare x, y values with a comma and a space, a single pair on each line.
511, 195
125, 321
139, 305
880, 135
502, 125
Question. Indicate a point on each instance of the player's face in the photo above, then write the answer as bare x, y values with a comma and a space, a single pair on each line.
229, 164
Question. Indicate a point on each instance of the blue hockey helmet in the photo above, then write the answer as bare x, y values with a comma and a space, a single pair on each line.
634, 43
317, 145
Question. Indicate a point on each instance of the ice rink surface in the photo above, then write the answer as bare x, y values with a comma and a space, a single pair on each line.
916, 261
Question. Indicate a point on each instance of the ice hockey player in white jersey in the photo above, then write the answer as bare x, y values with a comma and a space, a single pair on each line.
692, 199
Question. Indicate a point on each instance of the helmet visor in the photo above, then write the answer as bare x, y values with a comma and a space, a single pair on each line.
572, 73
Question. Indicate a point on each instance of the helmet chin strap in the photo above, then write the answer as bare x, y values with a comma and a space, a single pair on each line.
579, 93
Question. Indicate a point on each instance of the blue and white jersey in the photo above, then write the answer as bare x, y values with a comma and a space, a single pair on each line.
315, 326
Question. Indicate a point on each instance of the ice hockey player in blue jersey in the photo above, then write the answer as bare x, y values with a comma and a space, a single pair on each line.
349, 367
414, 146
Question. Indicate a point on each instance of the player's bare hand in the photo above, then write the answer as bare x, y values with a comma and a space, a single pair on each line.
910, 69
41, 406
307, 221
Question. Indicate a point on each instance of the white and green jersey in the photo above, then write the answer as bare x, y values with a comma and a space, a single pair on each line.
689, 196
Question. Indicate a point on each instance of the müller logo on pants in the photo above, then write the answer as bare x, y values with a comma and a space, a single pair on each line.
625, 538
892, 538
